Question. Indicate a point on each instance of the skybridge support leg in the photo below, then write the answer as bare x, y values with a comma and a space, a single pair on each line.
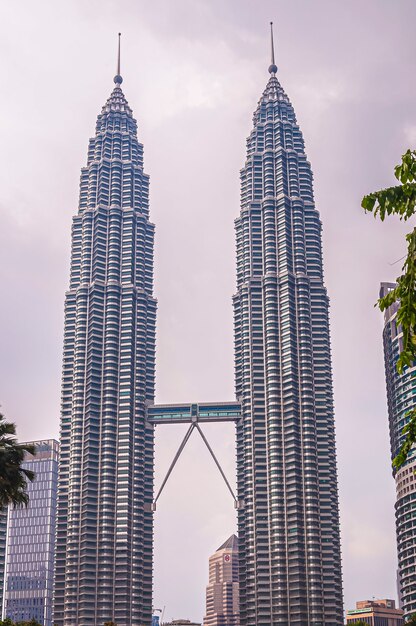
205, 440
172, 465
178, 454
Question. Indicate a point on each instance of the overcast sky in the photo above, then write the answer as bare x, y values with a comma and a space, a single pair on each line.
193, 72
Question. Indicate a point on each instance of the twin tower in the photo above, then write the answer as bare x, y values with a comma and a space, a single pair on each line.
287, 501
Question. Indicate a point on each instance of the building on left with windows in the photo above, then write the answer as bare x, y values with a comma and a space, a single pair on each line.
29, 561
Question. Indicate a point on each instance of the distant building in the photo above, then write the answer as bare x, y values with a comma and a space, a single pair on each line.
222, 590
401, 394
29, 569
376, 613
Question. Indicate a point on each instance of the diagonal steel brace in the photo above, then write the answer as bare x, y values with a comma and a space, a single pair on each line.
172, 465
178, 454
205, 440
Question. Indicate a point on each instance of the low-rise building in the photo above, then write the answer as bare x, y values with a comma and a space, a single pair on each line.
181, 622
376, 613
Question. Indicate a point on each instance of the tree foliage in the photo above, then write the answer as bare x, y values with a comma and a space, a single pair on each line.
13, 477
401, 201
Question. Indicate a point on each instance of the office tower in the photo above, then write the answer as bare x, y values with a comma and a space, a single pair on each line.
104, 523
289, 543
222, 590
401, 392
30, 548
376, 613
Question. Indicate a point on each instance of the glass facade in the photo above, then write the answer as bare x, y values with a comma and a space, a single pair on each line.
29, 569
289, 541
103, 568
401, 397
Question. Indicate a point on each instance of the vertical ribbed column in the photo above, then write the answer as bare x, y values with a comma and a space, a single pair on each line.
105, 534
290, 569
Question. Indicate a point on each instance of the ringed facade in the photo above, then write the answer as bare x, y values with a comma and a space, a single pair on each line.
103, 568
289, 540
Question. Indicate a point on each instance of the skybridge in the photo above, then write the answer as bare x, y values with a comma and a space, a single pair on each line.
194, 415
190, 413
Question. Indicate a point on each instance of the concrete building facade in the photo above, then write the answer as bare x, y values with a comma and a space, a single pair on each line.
401, 397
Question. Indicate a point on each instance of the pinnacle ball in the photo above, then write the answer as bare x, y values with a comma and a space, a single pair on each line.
272, 69
118, 80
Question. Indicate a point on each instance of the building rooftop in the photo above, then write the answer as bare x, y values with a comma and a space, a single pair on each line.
384, 609
385, 603
230, 544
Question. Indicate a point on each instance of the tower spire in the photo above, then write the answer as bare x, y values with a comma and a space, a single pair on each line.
273, 66
117, 78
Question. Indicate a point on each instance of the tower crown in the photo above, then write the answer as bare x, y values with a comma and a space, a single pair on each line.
117, 102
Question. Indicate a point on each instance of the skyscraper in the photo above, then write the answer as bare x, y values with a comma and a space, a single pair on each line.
30, 549
222, 590
401, 391
290, 562
104, 524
